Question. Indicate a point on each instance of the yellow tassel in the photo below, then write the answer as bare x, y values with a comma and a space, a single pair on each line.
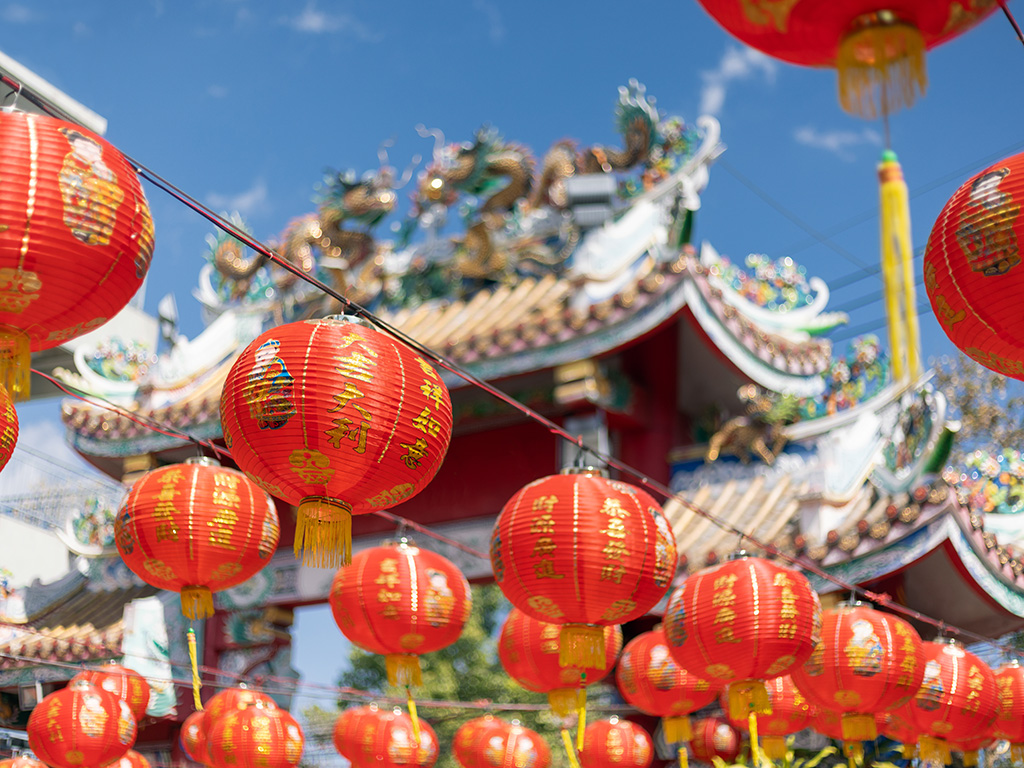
859, 728
909, 751
193, 657
774, 747
581, 645
323, 533
677, 729
411, 703
403, 669
881, 66
854, 751
15, 362
569, 751
581, 719
565, 701
748, 696
970, 758
197, 602
1017, 753
684, 759
932, 750
755, 748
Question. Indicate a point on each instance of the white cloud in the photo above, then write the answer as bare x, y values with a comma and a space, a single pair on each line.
216, 91
736, 64
81, 29
837, 142
495, 25
248, 202
15, 13
313, 21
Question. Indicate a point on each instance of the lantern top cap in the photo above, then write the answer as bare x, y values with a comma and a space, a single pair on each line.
342, 319
855, 604
1012, 663
202, 461
588, 471
738, 554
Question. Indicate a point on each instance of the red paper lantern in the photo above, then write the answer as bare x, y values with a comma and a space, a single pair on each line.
650, 680
21, 762
126, 684
193, 738
741, 622
867, 662
230, 700
196, 528
385, 739
791, 712
399, 600
343, 733
494, 743
957, 699
616, 743
8, 427
878, 49
1009, 723
255, 737
528, 651
713, 737
76, 237
80, 725
469, 740
582, 551
972, 268
337, 419
131, 759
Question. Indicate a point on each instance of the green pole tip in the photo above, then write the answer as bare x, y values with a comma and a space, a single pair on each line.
888, 156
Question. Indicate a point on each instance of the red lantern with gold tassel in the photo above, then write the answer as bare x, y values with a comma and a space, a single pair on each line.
972, 267
878, 49
472, 736
386, 739
741, 622
337, 419
867, 662
650, 680
495, 743
80, 725
76, 237
616, 743
126, 684
957, 699
1009, 723
791, 712
131, 759
528, 651
193, 738
585, 552
714, 737
196, 528
255, 737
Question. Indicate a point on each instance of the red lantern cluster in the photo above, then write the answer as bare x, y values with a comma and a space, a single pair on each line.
368, 736
972, 267
81, 724
196, 528
489, 742
741, 622
585, 552
791, 712
337, 419
254, 737
650, 680
528, 651
867, 662
399, 600
76, 237
713, 737
193, 738
616, 743
126, 684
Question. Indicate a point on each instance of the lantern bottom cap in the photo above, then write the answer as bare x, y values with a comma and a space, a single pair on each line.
323, 532
403, 669
582, 646
881, 68
677, 729
197, 602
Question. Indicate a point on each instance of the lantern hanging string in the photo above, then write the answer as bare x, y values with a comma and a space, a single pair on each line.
1012, 20
570, 750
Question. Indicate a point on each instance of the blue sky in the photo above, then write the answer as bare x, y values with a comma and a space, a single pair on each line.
245, 104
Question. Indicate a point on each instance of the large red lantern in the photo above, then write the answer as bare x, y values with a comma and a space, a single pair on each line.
126, 684
131, 759
337, 419
972, 267
196, 528
386, 739
616, 743
76, 237
80, 725
193, 738
957, 699
1009, 723
791, 712
583, 551
399, 600
867, 662
650, 680
494, 743
877, 48
528, 651
713, 737
255, 737
741, 622
469, 740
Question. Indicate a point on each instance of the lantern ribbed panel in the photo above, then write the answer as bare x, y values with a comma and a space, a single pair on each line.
744, 619
232, 700
489, 742
650, 680
582, 549
899, 725
471, 737
127, 684
867, 662
714, 737
972, 268
76, 235
957, 699
791, 712
21, 762
130, 759
400, 599
335, 418
1009, 723
80, 725
196, 526
378, 737
193, 738
616, 743
255, 737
